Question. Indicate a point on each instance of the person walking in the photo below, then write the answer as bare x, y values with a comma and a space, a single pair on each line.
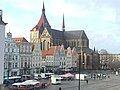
60, 88
87, 81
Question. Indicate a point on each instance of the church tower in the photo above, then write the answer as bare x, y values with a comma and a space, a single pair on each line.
36, 32
63, 24
63, 30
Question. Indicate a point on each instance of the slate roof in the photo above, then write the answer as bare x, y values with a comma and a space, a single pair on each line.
84, 49
43, 22
56, 34
78, 34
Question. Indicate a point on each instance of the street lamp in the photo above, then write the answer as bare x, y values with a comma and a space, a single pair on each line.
79, 73
80, 59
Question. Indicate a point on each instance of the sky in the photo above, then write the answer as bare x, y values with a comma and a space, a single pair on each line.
100, 19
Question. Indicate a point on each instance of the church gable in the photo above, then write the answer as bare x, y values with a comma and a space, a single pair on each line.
45, 34
84, 36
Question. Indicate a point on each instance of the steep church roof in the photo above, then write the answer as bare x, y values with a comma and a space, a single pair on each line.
43, 22
56, 34
84, 49
78, 34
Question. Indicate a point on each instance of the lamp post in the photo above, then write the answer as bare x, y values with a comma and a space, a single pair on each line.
80, 59
79, 73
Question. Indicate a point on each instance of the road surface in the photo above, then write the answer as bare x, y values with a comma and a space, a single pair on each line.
112, 83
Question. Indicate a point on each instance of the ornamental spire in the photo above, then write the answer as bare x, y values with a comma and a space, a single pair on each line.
63, 24
43, 9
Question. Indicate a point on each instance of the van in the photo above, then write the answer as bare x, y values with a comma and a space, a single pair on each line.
82, 76
37, 76
46, 75
55, 79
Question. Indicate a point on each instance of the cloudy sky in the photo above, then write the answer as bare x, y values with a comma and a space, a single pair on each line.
99, 18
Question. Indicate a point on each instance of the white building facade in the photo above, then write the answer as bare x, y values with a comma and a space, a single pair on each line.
11, 59
25, 51
71, 59
62, 58
36, 59
2, 45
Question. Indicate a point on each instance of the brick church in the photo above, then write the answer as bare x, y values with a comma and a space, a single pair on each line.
43, 33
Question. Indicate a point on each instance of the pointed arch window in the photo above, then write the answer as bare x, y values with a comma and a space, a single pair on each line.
75, 43
72, 43
47, 45
68, 43
44, 44
41, 45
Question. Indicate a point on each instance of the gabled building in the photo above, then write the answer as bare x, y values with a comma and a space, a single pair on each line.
11, 59
36, 59
71, 59
62, 58
52, 58
25, 51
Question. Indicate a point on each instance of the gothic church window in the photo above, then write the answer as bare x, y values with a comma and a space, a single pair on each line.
78, 43
48, 45
41, 45
44, 44
88, 62
72, 43
68, 43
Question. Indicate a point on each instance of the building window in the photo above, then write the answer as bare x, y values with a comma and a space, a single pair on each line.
68, 43
12, 50
21, 64
25, 64
16, 57
44, 44
15, 65
8, 44
48, 45
74, 43
78, 43
88, 61
8, 50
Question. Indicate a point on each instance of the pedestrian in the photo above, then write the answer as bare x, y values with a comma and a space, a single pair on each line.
87, 81
60, 88
94, 76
